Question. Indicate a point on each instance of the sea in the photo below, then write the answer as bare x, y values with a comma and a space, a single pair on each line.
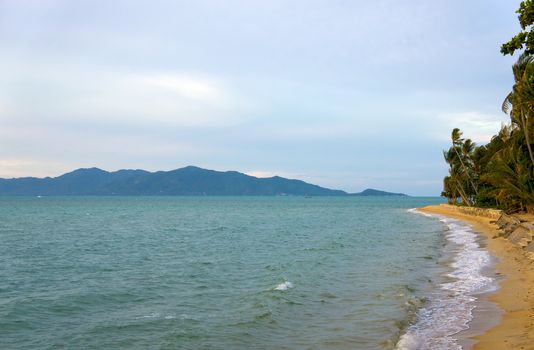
236, 273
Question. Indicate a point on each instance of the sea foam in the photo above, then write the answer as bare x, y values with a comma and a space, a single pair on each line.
417, 211
449, 311
284, 286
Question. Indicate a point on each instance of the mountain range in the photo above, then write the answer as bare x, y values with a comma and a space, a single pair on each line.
188, 181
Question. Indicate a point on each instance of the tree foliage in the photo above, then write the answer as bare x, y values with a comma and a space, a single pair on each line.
525, 38
501, 173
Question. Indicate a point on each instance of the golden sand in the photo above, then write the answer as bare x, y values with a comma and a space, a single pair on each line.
516, 293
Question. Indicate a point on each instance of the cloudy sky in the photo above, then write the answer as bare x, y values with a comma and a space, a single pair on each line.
345, 94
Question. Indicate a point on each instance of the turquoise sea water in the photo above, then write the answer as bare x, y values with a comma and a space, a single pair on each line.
223, 272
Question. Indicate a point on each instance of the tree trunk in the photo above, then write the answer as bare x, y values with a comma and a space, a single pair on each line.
527, 138
462, 193
465, 169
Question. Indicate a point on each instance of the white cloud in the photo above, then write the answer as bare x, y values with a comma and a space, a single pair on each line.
479, 127
48, 91
189, 87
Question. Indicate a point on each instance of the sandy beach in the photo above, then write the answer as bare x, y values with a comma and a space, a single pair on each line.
516, 293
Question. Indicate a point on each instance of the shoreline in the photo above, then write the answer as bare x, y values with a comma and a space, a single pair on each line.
515, 296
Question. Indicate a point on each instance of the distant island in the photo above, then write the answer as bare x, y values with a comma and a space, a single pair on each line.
372, 192
188, 181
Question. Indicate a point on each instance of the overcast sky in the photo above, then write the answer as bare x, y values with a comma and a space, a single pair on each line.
345, 94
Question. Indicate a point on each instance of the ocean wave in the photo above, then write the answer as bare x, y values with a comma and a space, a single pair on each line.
156, 315
284, 286
449, 311
417, 211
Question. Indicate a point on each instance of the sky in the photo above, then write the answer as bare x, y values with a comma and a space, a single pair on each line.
344, 94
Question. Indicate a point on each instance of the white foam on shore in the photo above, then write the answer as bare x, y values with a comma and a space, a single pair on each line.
416, 211
284, 286
450, 310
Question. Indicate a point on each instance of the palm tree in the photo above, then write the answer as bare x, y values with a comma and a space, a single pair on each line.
509, 171
449, 190
520, 101
454, 183
458, 144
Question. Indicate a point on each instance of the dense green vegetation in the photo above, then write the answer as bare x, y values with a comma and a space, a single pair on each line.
525, 38
501, 173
